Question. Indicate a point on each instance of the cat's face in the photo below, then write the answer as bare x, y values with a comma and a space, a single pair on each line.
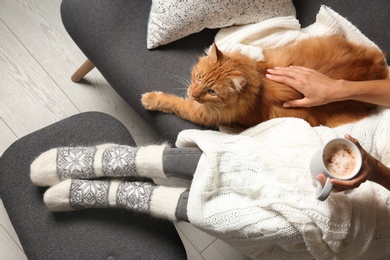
215, 80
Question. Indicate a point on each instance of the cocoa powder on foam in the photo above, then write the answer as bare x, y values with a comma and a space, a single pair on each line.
340, 160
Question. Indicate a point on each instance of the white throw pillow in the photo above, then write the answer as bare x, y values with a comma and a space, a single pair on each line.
170, 20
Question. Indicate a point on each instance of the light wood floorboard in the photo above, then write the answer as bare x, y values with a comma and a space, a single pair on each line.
7, 137
37, 58
30, 99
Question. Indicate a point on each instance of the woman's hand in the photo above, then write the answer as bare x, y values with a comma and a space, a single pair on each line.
317, 88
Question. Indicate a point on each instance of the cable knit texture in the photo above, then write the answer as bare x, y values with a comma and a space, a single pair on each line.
255, 191
251, 39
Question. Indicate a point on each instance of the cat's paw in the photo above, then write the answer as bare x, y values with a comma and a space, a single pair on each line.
150, 100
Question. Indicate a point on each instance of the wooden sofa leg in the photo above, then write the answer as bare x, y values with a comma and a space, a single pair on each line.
82, 71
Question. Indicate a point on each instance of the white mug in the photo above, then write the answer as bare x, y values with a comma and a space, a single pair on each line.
339, 159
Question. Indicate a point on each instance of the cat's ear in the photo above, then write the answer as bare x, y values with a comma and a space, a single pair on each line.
238, 83
215, 54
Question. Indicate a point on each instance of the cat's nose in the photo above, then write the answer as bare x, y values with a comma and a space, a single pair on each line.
195, 95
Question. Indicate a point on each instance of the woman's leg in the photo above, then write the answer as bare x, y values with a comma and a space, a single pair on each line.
111, 160
181, 162
69, 168
143, 197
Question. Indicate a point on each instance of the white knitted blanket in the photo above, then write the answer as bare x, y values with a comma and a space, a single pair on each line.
251, 39
254, 190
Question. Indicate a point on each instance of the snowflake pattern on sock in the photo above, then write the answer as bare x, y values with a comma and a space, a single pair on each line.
89, 194
135, 195
75, 162
119, 161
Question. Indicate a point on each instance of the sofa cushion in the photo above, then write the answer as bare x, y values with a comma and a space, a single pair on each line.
170, 20
87, 234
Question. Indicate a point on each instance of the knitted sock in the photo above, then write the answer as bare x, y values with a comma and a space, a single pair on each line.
73, 194
109, 160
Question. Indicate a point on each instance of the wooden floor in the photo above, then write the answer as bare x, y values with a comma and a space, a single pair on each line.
37, 58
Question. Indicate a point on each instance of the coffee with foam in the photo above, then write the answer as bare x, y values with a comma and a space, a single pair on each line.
340, 161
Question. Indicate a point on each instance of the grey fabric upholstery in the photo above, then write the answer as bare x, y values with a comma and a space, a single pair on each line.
87, 234
112, 34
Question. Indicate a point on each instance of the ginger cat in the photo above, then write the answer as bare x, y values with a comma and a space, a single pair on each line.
231, 90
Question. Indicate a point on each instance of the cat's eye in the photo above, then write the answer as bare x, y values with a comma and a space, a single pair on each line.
199, 77
211, 92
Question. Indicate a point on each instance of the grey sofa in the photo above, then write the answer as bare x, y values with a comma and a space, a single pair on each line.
112, 34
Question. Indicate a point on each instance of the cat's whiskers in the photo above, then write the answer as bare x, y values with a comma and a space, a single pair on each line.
213, 107
229, 117
194, 60
183, 80
178, 88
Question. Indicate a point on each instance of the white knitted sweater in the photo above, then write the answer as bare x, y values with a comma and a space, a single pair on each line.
255, 192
